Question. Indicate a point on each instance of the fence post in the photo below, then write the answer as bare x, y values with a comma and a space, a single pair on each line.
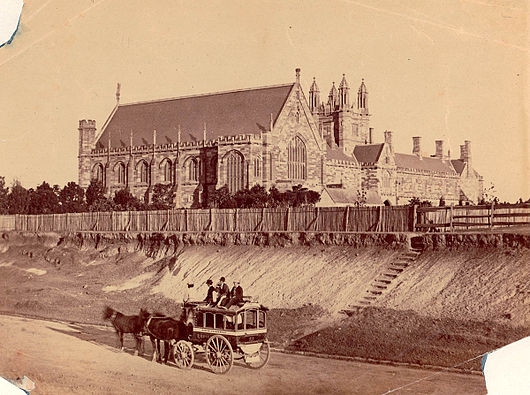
287, 219
185, 219
235, 219
451, 219
346, 218
491, 213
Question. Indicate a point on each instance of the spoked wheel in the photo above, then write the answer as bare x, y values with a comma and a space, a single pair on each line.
260, 358
219, 354
184, 355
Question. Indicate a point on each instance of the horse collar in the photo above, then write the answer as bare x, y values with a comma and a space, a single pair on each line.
114, 315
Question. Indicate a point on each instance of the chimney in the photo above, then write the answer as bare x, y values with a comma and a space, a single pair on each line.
388, 137
370, 135
439, 149
297, 70
467, 144
416, 145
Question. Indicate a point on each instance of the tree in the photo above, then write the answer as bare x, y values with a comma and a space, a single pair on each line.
163, 197
125, 201
18, 199
221, 198
96, 199
4, 192
72, 198
43, 200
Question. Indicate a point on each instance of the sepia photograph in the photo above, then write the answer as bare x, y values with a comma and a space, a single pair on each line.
264, 197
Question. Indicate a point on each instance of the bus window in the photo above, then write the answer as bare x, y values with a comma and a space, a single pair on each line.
239, 320
261, 319
251, 319
219, 321
209, 320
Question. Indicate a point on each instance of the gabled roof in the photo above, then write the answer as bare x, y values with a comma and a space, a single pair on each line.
368, 153
459, 166
225, 114
408, 161
338, 154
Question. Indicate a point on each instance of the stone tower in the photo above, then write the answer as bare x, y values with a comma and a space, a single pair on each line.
87, 135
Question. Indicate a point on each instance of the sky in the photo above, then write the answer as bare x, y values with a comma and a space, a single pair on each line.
454, 70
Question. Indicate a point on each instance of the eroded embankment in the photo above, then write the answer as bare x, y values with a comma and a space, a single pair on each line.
479, 277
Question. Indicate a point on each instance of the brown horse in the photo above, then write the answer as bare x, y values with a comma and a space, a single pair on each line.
133, 324
167, 329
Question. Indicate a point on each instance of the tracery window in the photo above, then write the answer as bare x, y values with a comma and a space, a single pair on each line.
234, 171
121, 174
296, 159
98, 176
192, 169
144, 172
167, 171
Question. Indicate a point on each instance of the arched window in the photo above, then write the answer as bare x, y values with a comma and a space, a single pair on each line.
144, 172
257, 167
121, 173
234, 171
296, 159
387, 180
167, 172
192, 167
98, 173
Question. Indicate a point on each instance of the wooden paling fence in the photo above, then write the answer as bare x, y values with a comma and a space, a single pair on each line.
303, 219
471, 217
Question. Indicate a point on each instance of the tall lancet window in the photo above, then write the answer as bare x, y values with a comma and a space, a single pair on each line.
296, 159
98, 173
144, 172
121, 173
192, 169
234, 171
166, 171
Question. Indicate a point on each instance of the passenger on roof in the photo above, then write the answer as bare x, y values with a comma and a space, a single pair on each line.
237, 295
211, 289
223, 291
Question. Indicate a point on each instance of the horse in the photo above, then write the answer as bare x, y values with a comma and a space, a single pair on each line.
169, 330
133, 324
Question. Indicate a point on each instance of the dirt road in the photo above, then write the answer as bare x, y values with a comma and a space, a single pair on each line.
67, 358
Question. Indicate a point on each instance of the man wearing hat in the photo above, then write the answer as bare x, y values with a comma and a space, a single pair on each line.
237, 295
211, 289
223, 292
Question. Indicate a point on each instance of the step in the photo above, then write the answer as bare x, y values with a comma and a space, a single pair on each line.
379, 286
407, 258
399, 270
369, 297
404, 264
375, 292
380, 280
390, 275
365, 302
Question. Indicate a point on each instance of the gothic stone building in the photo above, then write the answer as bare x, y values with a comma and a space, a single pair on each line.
267, 136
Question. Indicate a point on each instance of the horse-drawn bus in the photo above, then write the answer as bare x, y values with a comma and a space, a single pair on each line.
224, 335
